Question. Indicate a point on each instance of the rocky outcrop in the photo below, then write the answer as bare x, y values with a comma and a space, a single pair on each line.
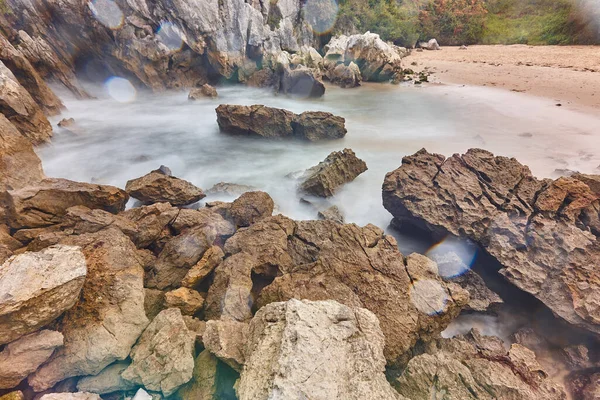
544, 233
159, 186
203, 91
46, 203
328, 176
346, 76
163, 358
322, 349
377, 60
251, 207
109, 380
108, 319
301, 82
476, 367
323, 260
36, 288
23, 356
271, 123
19, 165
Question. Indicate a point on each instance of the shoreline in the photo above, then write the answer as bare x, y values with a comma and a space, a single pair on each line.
565, 75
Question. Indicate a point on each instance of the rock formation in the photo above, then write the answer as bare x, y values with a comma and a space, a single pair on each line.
203, 91
159, 187
338, 168
109, 380
544, 233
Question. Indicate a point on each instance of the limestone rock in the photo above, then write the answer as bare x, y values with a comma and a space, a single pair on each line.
154, 302
207, 264
318, 125
338, 168
203, 91
71, 396
251, 207
36, 288
209, 381
323, 350
153, 222
163, 358
47, 202
346, 76
187, 300
23, 356
16, 395
432, 44
544, 233
157, 187
301, 82
227, 341
108, 319
107, 381
332, 213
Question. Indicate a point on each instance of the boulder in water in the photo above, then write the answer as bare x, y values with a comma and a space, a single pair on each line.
301, 82
159, 186
346, 76
318, 125
203, 91
338, 168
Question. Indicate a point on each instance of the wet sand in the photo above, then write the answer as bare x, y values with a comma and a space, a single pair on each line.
566, 75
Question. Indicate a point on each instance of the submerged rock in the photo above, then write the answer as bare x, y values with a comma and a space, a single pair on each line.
544, 233
321, 349
318, 125
338, 168
36, 288
158, 187
332, 213
203, 91
229, 189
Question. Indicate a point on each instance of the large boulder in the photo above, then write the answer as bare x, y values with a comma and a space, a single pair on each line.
268, 122
251, 207
19, 165
544, 233
338, 168
211, 380
476, 368
323, 350
160, 187
46, 202
346, 76
163, 358
23, 356
322, 260
203, 91
108, 319
36, 288
227, 340
301, 82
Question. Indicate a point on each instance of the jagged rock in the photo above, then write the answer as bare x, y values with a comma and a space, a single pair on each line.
163, 358
47, 202
308, 57
197, 327
377, 60
23, 356
153, 222
263, 78
251, 207
338, 168
19, 165
301, 82
476, 367
187, 300
107, 381
227, 341
544, 233
158, 187
66, 123
207, 264
16, 395
323, 350
21, 110
592, 390
332, 213
154, 302
71, 396
36, 288
432, 44
268, 122
346, 76
318, 125
229, 189
319, 260
210, 380
203, 91
108, 319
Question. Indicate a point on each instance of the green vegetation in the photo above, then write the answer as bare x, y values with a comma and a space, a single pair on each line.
455, 22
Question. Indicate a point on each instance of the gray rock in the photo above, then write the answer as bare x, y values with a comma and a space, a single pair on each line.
332, 213
226, 339
107, 381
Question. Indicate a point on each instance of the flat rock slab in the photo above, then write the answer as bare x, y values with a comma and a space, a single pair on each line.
158, 187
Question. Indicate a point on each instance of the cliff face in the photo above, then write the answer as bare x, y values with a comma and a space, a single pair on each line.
161, 43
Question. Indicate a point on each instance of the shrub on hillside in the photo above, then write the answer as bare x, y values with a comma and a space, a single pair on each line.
453, 22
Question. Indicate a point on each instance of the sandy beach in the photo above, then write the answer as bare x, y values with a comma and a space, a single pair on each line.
568, 75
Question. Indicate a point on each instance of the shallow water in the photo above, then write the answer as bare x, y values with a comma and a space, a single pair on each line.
121, 141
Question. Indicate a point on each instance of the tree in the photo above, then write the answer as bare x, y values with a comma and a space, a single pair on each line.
453, 22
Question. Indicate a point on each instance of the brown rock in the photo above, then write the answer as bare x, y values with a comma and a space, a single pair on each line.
332, 213
203, 91
209, 380
16, 395
227, 340
187, 300
338, 168
47, 202
347, 76
157, 187
251, 207
301, 82
207, 264
318, 125
154, 302
66, 123
153, 222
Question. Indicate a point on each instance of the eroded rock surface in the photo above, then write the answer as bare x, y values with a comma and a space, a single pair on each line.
338, 168
160, 187
251, 207
107, 381
544, 233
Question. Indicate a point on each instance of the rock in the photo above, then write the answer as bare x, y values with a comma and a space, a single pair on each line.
332, 213
163, 358
47, 202
21, 109
107, 381
322, 260
432, 44
227, 341
338, 168
263, 78
301, 82
154, 302
19, 165
466, 368
346, 76
187, 300
36, 288
251, 207
544, 233
23, 356
16, 395
197, 328
108, 319
318, 125
210, 380
592, 390
271, 123
463, 47
229, 189
323, 350
157, 187
66, 122
153, 222
203, 268
202, 92
71, 396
